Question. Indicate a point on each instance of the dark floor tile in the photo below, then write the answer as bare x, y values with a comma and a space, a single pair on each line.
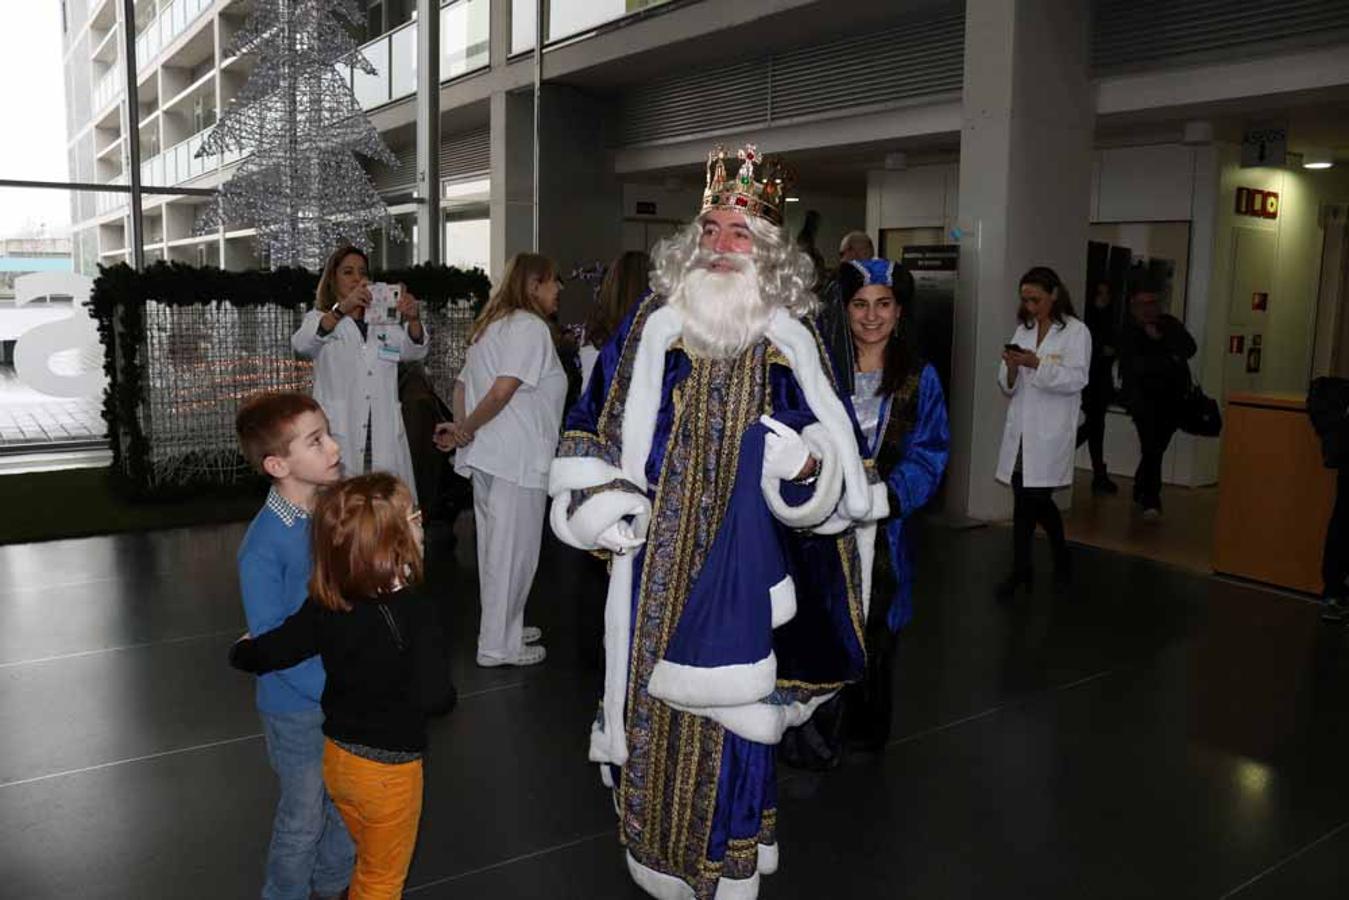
72, 713
1144, 733
1319, 869
186, 825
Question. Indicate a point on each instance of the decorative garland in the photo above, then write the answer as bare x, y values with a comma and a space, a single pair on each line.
117, 304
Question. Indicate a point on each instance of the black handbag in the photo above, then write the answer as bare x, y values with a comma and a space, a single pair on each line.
1199, 413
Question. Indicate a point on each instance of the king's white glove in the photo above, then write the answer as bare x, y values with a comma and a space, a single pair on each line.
619, 538
784, 452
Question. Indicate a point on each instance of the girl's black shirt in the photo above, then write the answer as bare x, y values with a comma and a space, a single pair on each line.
387, 662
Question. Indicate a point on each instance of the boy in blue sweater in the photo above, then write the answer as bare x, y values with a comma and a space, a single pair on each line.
285, 436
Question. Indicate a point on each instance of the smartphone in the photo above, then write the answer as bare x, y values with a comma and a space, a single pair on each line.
383, 308
1013, 347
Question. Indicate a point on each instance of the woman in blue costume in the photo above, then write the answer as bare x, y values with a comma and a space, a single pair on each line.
900, 414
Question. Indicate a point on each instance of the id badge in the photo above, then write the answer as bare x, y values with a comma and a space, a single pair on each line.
389, 351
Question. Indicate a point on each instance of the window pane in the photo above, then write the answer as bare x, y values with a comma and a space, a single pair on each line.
51, 363
522, 25
463, 37
569, 17
373, 90
403, 45
468, 242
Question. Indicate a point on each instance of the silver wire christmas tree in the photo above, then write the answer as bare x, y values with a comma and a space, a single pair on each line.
302, 187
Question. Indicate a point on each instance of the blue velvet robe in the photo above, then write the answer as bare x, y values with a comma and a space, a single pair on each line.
912, 468
724, 814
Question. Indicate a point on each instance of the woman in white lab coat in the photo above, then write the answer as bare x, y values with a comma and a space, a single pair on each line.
1044, 369
356, 366
508, 403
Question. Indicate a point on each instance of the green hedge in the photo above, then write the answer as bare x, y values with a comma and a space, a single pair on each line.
118, 304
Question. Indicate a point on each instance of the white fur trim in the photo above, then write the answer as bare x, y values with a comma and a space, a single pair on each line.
797, 344
762, 723
603, 510
866, 555
880, 502
737, 888
643, 403
557, 518
609, 745
828, 484
768, 859
573, 473
658, 884
839, 522
782, 598
835, 524
712, 686
668, 887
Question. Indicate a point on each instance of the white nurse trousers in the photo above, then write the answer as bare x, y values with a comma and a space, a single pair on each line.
509, 521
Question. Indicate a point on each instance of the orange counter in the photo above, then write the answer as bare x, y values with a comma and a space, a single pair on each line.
1274, 495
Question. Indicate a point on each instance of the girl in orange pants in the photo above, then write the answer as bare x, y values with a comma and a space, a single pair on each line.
388, 669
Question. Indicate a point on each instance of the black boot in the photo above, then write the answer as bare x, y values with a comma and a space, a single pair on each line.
1063, 569
1101, 485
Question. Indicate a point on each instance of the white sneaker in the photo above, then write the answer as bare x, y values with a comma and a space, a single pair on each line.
531, 634
529, 656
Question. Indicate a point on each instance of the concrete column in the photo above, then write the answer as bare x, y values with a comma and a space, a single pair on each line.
580, 197
1025, 184
499, 33
512, 165
428, 131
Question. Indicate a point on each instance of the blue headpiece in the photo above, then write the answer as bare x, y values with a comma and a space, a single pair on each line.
875, 271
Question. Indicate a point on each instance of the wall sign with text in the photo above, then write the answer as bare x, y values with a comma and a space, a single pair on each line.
1257, 203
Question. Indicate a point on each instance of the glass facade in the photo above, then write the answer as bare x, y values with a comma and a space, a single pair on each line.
568, 18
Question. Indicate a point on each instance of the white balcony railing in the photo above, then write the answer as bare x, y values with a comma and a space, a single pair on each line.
172, 21
567, 18
107, 88
108, 201
179, 163
463, 49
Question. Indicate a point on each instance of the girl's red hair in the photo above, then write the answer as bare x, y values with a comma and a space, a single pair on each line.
363, 541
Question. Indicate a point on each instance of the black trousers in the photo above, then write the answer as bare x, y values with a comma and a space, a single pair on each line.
1031, 507
1335, 556
1095, 402
1156, 425
861, 713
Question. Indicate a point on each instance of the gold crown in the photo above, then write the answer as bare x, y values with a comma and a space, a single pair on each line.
763, 196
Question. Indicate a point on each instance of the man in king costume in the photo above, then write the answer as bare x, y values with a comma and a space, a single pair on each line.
712, 460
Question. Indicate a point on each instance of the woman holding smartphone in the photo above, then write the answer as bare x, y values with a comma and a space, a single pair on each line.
356, 366
1044, 368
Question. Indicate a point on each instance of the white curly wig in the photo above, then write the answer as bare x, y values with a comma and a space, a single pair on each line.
786, 275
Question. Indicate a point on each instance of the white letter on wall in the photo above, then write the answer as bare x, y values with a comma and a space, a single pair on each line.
78, 332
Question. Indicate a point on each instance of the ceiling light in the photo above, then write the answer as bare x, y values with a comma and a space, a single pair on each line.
1317, 159
793, 199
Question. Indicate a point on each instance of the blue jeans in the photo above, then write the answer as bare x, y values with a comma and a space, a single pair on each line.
310, 847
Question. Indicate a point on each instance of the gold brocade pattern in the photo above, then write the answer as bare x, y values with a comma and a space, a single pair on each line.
667, 792
675, 757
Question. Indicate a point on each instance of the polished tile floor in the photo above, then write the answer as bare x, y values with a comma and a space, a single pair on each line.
1151, 733
1183, 536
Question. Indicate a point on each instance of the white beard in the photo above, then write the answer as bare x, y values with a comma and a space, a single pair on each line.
724, 313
